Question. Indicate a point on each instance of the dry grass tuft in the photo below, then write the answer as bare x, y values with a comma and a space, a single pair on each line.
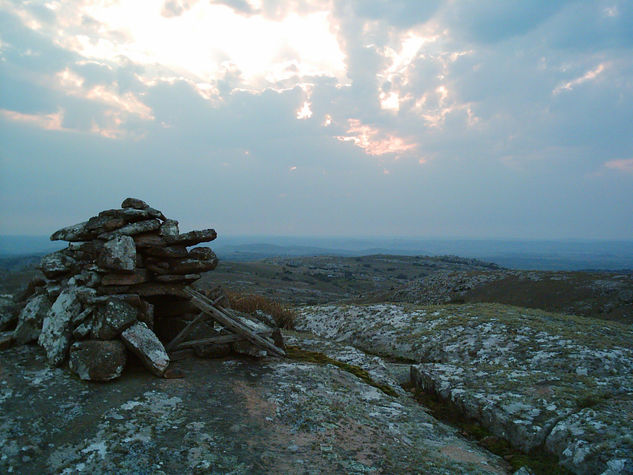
283, 316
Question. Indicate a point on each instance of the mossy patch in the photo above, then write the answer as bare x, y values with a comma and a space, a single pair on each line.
298, 354
538, 460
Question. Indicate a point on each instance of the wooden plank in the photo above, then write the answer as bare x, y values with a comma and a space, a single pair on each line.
230, 323
185, 331
217, 340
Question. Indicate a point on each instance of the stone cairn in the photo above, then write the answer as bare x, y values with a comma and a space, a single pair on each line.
122, 285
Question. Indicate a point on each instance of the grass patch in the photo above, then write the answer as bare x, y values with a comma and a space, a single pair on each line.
298, 354
538, 460
283, 315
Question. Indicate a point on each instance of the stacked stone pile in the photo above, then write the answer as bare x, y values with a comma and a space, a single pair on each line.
117, 287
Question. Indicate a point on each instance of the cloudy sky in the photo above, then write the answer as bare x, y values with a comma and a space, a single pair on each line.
503, 119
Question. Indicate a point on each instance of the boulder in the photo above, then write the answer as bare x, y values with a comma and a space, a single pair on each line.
56, 264
202, 253
94, 360
112, 318
119, 253
145, 344
56, 331
193, 237
134, 203
31, 318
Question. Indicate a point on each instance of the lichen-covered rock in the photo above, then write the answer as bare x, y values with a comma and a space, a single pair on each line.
56, 331
31, 318
95, 360
169, 229
226, 416
133, 229
193, 237
76, 232
145, 344
119, 253
56, 264
202, 253
112, 318
524, 374
7, 311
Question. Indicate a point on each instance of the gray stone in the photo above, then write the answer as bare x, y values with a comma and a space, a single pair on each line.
177, 277
202, 253
119, 253
145, 344
246, 348
31, 318
169, 228
56, 331
133, 229
56, 264
166, 252
149, 240
137, 277
76, 232
112, 318
134, 203
7, 311
193, 237
191, 266
94, 360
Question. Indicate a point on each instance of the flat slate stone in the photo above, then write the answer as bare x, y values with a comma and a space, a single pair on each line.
94, 360
76, 232
149, 240
137, 277
191, 266
133, 229
193, 237
145, 344
167, 251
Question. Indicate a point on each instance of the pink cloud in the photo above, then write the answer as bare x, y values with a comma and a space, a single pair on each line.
623, 165
374, 141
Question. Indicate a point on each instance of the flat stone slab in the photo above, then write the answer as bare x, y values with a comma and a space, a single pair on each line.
522, 373
226, 416
145, 344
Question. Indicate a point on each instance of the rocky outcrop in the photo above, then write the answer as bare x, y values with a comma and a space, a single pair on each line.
534, 378
227, 416
119, 267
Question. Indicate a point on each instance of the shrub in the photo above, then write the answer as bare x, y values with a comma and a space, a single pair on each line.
283, 316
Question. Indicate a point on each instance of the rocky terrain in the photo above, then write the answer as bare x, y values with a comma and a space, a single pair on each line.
439, 380
536, 379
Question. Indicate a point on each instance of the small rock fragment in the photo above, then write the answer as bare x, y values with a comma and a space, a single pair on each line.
94, 360
169, 229
202, 253
56, 264
146, 345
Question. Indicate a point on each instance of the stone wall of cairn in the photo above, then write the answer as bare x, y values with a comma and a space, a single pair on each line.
117, 287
